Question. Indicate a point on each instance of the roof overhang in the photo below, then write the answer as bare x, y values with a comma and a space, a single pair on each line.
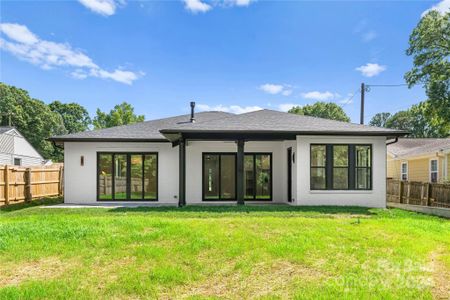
123, 140
263, 135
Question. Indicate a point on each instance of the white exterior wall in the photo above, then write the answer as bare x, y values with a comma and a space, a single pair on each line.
194, 152
374, 198
81, 181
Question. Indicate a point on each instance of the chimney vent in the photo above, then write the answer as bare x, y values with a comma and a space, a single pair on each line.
192, 112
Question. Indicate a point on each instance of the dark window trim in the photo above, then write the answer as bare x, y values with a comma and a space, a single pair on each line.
371, 167
128, 154
220, 172
254, 172
235, 154
352, 167
17, 159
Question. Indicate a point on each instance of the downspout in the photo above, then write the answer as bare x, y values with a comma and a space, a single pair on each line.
392, 142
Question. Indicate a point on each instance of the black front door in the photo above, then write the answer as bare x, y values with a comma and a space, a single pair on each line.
289, 175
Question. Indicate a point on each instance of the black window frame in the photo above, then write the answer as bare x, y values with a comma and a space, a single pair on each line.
128, 185
19, 160
352, 167
220, 176
254, 173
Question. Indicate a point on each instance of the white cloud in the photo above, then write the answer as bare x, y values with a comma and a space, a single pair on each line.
275, 89
196, 6
240, 2
287, 106
271, 88
286, 92
18, 33
442, 7
26, 46
363, 30
320, 96
236, 109
369, 36
370, 70
102, 7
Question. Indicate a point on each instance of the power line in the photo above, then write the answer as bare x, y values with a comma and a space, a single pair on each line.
349, 100
386, 85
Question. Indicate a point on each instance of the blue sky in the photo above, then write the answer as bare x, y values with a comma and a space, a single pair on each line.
233, 55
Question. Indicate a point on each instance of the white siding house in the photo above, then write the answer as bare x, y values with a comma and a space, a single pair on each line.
259, 157
16, 150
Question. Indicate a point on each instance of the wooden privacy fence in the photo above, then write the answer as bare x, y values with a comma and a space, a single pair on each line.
418, 193
18, 184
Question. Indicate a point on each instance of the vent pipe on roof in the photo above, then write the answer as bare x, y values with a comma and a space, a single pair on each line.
192, 112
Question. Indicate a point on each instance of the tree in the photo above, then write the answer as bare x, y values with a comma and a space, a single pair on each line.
121, 114
429, 45
418, 122
33, 118
380, 119
75, 117
324, 110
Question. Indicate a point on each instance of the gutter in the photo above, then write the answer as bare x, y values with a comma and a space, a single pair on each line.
392, 142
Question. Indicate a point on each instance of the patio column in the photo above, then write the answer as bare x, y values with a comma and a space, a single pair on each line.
182, 172
240, 172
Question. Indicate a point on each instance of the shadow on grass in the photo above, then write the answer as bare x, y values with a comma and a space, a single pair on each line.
342, 210
23, 205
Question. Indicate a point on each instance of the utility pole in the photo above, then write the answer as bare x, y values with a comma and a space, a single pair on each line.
363, 89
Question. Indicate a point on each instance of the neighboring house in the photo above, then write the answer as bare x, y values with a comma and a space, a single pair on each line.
16, 150
426, 160
217, 157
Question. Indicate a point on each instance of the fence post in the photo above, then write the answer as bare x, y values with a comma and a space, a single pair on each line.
60, 184
408, 192
6, 176
400, 194
428, 194
28, 196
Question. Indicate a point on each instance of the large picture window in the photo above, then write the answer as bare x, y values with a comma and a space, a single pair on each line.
127, 176
219, 176
258, 176
340, 167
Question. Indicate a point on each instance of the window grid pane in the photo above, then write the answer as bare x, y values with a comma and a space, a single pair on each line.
150, 176
262, 174
341, 167
228, 177
120, 176
211, 177
127, 176
105, 176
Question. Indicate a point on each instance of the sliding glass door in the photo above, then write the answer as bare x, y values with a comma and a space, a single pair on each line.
258, 176
219, 176
127, 176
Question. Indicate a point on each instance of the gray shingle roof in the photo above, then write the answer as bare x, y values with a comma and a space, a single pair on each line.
275, 121
4, 129
142, 131
408, 147
262, 121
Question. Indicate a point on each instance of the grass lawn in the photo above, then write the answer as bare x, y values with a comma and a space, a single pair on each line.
222, 252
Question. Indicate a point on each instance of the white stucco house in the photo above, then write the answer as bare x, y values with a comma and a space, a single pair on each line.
16, 150
216, 157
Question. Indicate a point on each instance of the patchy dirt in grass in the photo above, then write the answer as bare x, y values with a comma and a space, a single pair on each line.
263, 280
42, 269
441, 277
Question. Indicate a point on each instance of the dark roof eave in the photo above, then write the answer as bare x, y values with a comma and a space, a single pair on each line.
128, 140
396, 133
